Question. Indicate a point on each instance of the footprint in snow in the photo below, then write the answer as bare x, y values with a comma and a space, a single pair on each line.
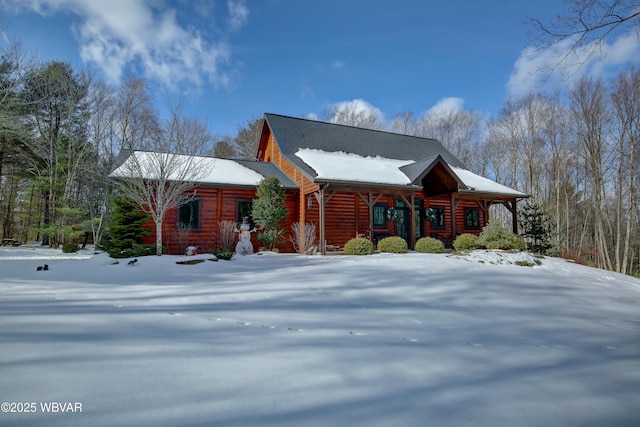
215, 319
357, 333
295, 329
474, 344
244, 323
410, 339
268, 326
173, 313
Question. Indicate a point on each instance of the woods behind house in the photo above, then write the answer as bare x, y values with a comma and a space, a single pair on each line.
575, 153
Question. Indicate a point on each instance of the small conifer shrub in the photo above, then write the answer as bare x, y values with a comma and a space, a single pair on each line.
358, 246
429, 245
70, 247
496, 236
465, 242
393, 244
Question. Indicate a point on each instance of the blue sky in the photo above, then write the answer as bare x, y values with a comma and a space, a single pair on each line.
233, 60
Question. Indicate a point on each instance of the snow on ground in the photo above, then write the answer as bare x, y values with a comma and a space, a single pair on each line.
290, 340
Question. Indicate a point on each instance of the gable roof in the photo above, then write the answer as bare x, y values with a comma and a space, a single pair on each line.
294, 134
333, 152
221, 172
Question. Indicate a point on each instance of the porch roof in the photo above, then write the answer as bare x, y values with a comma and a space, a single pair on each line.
354, 170
328, 152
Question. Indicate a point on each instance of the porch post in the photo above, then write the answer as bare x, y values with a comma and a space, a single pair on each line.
370, 209
412, 227
453, 218
323, 245
514, 216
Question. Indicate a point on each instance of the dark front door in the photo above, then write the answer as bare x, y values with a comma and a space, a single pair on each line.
403, 225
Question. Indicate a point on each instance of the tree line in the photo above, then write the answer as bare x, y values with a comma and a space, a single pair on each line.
576, 153
61, 131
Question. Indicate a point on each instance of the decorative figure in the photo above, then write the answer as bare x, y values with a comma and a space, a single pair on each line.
244, 246
191, 251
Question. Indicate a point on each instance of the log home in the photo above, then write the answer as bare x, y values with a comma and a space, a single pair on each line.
354, 181
351, 181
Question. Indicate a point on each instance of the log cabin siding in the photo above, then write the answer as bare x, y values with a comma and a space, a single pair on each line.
216, 204
447, 231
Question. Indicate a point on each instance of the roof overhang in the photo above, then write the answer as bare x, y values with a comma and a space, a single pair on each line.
367, 186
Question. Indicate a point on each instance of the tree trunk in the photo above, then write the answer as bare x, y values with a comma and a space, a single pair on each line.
158, 237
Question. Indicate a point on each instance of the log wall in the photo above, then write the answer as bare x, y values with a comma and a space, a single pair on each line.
216, 204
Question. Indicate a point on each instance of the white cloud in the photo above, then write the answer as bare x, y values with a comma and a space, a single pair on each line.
531, 71
337, 65
357, 112
238, 13
358, 106
115, 34
446, 105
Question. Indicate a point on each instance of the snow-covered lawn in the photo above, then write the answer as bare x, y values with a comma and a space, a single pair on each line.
293, 340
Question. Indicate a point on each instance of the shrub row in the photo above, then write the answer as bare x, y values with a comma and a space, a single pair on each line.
492, 237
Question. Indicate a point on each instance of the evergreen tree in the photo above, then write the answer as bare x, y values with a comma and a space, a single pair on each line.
536, 227
126, 228
270, 211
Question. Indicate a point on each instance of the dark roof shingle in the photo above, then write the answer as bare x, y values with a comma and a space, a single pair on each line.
293, 134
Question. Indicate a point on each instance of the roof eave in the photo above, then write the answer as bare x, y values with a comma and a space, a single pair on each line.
489, 195
367, 184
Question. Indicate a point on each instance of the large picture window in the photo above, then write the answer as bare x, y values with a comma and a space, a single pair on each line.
436, 217
472, 218
380, 215
189, 214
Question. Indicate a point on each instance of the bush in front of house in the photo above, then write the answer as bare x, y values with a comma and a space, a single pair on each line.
496, 236
393, 244
222, 254
137, 250
70, 247
429, 245
358, 246
465, 242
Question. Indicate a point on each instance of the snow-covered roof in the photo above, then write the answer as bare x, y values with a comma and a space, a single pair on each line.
210, 170
341, 166
477, 183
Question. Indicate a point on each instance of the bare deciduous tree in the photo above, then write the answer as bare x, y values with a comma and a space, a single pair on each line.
626, 110
248, 138
460, 131
590, 117
585, 27
163, 180
135, 119
356, 113
404, 123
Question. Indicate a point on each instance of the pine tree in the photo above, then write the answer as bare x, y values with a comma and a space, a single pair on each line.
270, 211
126, 228
536, 227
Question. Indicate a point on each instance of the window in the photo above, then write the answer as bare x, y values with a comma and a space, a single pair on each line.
189, 214
244, 209
471, 218
436, 216
380, 215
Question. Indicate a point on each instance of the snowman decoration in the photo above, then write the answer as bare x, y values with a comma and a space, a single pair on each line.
244, 246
